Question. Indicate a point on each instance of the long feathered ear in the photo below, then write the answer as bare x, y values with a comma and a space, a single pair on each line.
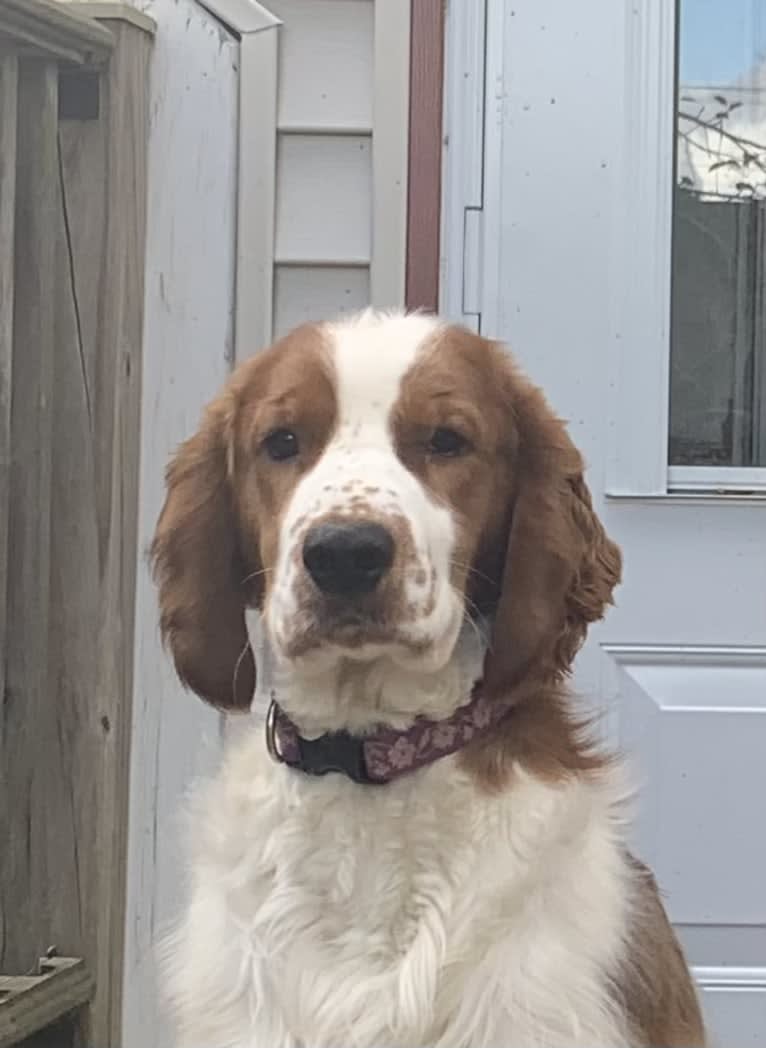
560, 567
200, 571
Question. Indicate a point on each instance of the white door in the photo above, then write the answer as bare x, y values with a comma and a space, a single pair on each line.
612, 229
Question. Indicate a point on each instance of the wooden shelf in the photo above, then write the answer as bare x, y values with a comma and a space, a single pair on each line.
30, 1003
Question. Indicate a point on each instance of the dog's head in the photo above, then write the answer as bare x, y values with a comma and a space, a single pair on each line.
367, 485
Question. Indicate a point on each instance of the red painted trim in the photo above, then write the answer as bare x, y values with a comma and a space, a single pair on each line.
425, 154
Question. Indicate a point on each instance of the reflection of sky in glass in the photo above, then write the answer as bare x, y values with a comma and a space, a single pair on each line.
721, 40
722, 100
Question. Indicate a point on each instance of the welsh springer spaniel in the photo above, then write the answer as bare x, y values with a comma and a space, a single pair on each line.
424, 848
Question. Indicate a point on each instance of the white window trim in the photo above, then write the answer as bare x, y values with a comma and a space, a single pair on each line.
717, 479
639, 422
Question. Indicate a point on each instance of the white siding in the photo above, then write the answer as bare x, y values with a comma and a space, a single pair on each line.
326, 65
324, 158
324, 205
303, 293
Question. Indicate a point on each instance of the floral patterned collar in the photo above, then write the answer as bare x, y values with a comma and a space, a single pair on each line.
385, 755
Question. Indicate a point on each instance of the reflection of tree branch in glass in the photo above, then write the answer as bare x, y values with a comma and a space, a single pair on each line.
718, 331
725, 148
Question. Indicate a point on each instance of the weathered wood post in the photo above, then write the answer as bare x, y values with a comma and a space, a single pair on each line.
73, 134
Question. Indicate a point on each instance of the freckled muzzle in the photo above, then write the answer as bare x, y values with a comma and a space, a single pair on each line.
364, 566
363, 588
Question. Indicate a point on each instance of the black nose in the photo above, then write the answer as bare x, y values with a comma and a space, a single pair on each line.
348, 560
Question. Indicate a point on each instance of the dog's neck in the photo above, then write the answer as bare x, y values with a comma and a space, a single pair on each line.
358, 696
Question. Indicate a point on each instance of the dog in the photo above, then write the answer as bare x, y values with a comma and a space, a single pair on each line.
423, 846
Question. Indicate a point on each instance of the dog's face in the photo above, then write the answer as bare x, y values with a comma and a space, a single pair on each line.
367, 485
371, 474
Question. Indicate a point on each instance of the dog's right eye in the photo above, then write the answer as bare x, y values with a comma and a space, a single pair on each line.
281, 444
447, 443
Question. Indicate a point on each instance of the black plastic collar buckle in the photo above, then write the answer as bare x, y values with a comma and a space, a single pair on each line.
336, 752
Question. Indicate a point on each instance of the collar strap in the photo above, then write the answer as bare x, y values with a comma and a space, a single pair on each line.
385, 755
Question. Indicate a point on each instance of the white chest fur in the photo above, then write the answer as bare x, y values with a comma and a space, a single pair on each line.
422, 913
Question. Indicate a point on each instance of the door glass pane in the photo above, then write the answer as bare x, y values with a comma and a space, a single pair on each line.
718, 342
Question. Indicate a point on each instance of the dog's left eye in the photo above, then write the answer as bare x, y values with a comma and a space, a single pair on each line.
281, 444
447, 443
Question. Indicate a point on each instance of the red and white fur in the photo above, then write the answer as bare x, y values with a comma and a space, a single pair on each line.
487, 900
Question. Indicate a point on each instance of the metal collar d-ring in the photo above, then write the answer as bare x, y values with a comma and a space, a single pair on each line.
271, 733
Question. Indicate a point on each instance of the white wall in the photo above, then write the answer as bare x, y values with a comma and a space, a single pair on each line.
187, 347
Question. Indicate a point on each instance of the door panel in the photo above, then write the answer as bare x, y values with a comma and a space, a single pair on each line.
734, 1006
677, 714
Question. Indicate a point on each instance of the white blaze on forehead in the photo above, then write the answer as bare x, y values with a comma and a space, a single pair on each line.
371, 355
360, 473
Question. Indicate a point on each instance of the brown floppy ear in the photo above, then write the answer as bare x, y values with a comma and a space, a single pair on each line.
200, 571
560, 567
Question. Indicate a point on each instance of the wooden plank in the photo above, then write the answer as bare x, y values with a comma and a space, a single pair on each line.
81, 246
31, 798
424, 207
31, 1003
49, 29
95, 494
8, 108
75, 605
